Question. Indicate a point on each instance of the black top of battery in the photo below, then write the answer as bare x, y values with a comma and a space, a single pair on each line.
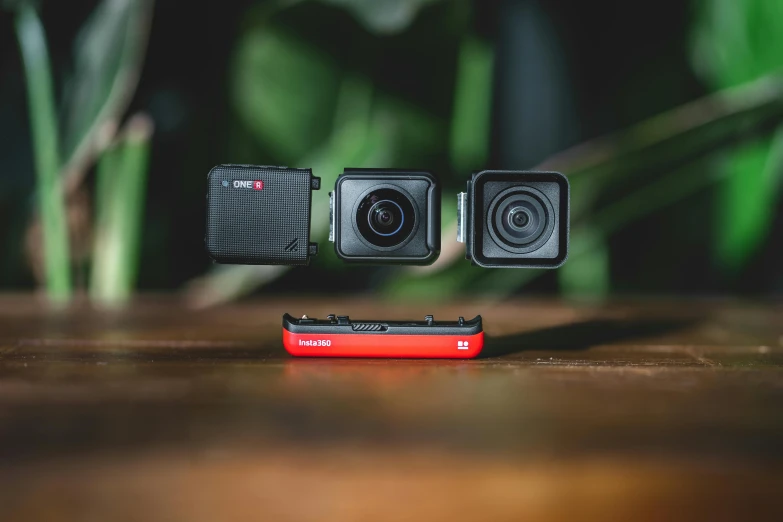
343, 324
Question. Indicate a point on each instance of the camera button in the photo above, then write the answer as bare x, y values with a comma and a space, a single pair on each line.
343, 320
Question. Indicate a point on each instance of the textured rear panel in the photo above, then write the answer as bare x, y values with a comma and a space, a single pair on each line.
270, 226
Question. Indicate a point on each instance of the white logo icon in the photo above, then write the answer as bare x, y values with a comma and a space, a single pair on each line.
462, 345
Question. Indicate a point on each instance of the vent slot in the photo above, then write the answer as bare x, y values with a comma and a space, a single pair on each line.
368, 327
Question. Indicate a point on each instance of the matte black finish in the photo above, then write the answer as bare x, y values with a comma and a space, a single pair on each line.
488, 244
344, 325
267, 224
421, 243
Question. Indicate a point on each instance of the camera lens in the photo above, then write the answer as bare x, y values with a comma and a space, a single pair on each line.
520, 219
385, 217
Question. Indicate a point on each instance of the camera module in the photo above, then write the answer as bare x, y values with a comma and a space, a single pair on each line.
515, 219
260, 215
386, 216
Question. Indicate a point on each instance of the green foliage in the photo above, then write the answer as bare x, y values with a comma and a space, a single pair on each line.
43, 123
470, 127
108, 57
283, 90
737, 42
108, 54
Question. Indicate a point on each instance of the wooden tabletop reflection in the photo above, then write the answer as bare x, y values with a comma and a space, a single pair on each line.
628, 410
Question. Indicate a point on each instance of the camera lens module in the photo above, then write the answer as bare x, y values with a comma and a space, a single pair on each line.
389, 216
385, 217
515, 219
521, 219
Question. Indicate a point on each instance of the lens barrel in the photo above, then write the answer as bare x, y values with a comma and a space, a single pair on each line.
520, 219
385, 217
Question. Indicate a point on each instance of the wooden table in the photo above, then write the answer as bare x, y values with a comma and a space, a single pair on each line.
638, 410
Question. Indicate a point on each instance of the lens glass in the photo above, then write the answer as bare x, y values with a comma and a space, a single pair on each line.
520, 218
385, 217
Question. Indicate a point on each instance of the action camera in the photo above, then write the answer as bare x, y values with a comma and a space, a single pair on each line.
514, 219
260, 215
386, 216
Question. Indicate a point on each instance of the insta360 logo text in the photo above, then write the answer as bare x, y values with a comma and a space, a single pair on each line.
255, 185
316, 342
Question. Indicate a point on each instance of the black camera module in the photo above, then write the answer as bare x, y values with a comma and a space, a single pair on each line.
515, 219
258, 215
386, 216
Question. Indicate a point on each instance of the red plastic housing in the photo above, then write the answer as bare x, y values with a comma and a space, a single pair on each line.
383, 345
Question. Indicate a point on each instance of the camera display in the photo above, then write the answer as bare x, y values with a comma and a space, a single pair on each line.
386, 216
515, 219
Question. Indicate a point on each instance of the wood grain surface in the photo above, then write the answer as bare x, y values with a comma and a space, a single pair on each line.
628, 410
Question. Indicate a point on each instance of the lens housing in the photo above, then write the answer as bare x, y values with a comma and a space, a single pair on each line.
515, 219
521, 219
385, 217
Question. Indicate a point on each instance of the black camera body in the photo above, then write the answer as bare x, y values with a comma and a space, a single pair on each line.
258, 215
386, 216
515, 219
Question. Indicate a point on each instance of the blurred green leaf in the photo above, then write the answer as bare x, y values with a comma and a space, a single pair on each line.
735, 43
748, 199
470, 128
108, 56
44, 127
228, 282
587, 274
284, 91
382, 16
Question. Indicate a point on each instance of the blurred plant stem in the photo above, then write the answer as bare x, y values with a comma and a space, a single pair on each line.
470, 128
120, 192
45, 139
108, 54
